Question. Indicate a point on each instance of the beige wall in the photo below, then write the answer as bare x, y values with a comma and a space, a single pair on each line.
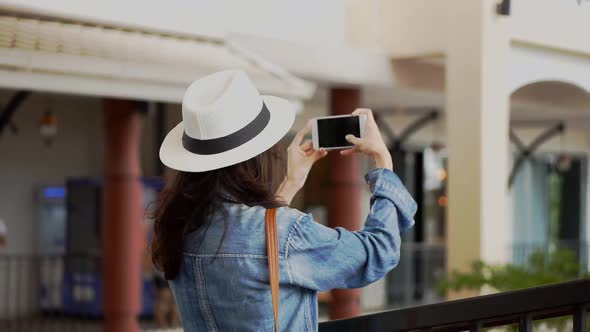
422, 27
552, 23
407, 26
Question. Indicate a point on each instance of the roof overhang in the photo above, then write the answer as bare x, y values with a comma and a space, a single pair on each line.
328, 65
48, 55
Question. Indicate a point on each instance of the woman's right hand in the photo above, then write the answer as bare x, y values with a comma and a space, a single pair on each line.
371, 144
300, 159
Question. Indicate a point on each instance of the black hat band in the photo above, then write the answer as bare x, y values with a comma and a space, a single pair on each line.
231, 141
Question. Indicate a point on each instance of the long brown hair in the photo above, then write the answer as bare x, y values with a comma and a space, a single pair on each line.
192, 197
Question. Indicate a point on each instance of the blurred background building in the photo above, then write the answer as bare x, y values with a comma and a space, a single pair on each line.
485, 105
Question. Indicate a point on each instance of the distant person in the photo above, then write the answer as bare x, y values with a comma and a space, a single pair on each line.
3, 234
165, 310
210, 226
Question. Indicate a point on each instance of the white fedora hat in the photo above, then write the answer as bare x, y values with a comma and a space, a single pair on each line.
225, 121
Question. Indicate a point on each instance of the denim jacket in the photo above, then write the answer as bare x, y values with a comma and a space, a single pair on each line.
226, 288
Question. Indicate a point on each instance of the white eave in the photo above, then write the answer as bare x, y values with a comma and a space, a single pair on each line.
49, 55
330, 65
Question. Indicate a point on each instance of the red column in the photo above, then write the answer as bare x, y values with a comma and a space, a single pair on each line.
344, 199
122, 214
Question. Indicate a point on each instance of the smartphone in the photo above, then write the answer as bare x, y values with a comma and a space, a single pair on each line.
329, 132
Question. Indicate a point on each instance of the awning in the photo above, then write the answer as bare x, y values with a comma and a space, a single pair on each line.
54, 56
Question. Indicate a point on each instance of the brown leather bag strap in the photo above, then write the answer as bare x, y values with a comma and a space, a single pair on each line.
272, 252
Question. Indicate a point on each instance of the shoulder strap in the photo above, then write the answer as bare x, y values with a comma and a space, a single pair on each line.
272, 252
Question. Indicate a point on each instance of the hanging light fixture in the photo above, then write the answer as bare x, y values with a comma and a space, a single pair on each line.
437, 145
48, 127
564, 160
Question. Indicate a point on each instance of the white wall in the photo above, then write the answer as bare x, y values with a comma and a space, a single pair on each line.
26, 162
78, 150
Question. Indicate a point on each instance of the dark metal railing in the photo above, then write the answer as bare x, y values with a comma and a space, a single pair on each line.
33, 292
34, 297
521, 307
414, 281
53, 293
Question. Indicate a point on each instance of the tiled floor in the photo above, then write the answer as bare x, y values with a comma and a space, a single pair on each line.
65, 325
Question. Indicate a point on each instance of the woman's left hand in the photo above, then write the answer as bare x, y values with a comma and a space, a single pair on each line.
301, 157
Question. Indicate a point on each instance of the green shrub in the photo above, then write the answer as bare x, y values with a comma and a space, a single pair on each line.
542, 268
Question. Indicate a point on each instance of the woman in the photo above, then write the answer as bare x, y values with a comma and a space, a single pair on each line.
210, 239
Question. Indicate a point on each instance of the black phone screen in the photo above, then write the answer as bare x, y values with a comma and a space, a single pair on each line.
332, 131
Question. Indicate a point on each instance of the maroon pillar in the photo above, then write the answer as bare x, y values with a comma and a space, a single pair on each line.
344, 199
122, 212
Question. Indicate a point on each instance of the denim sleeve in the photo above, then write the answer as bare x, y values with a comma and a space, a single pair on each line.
321, 258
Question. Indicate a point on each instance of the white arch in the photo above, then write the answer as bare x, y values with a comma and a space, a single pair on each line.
531, 65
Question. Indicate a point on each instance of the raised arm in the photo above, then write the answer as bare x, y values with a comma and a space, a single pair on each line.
319, 257
322, 258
